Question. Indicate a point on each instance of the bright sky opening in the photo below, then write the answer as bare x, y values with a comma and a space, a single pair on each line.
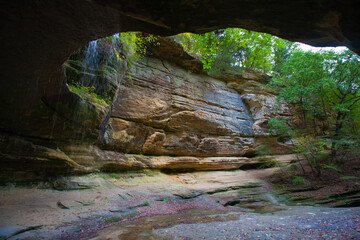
306, 47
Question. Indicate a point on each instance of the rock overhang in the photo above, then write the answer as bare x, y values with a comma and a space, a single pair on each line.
38, 36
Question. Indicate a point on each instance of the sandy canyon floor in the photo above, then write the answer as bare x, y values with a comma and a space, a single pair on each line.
155, 205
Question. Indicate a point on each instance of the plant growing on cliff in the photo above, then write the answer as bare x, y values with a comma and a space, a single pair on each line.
89, 94
129, 46
95, 71
134, 44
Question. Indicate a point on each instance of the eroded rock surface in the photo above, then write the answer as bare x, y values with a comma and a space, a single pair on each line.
167, 108
150, 204
168, 114
164, 110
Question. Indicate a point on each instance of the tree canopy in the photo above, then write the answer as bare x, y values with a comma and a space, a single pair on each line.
325, 84
235, 48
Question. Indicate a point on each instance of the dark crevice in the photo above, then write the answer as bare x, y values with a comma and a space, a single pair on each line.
178, 170
36, 140
346, 194
250, 155
232, 203
355, 203
251, 166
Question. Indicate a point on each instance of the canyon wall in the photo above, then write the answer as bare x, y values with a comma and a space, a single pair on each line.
167, 114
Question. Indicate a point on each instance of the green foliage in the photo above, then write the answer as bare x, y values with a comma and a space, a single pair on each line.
234, 48
263, 149
293, 167
310, 146
313, 149
326, 88
280, 127
134, 44
298, 180
92, 71
129, 46
272, 163
118, 219
165, 199
88, 93
348, 177
302, 80
113, 220
331, 166
282, 54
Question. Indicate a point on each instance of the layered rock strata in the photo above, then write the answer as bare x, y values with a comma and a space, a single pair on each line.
170, 108
168, 114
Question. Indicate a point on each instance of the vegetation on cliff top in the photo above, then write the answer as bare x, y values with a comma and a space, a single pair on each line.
236, 49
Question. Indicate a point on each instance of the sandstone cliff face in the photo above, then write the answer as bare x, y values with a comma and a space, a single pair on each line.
168, 114
261, 102
165, 109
